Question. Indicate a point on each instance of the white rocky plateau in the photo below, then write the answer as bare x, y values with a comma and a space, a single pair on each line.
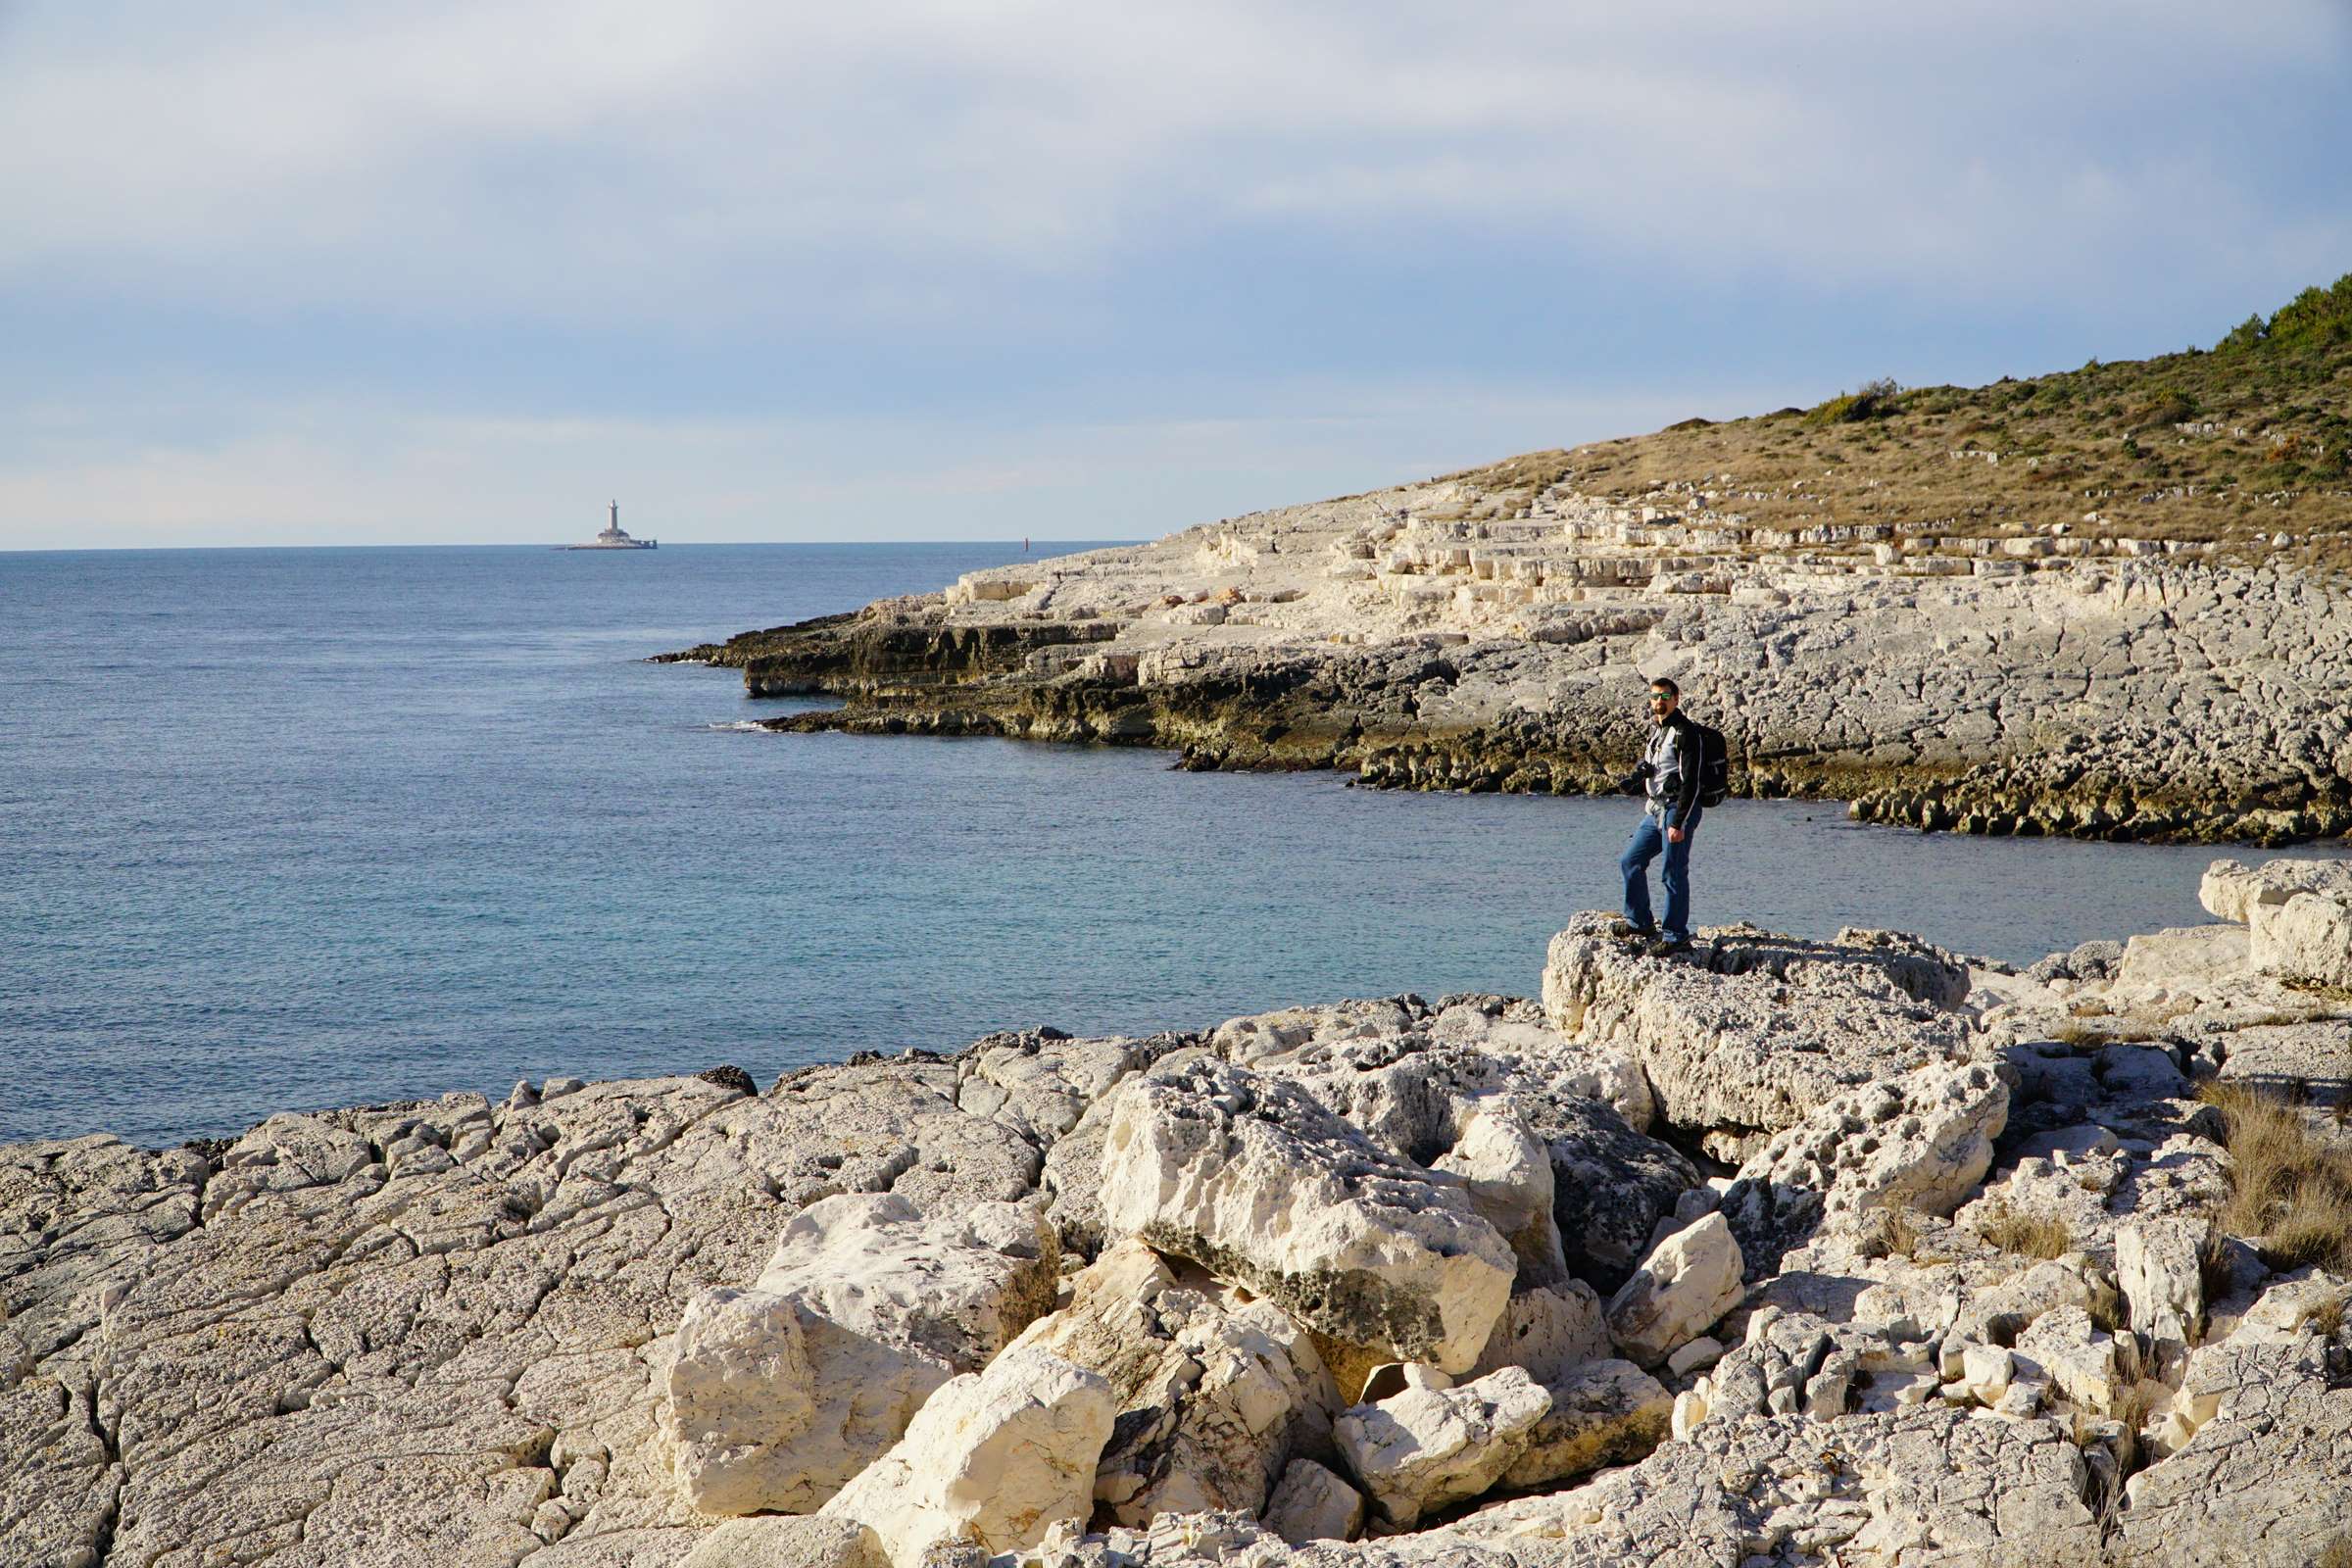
1493, 631
1777, 1251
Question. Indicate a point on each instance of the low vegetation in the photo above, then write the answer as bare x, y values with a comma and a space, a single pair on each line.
2290, 1180
2246, 446
2044, 1236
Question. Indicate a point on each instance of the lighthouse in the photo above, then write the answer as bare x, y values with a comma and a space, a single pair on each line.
614, 537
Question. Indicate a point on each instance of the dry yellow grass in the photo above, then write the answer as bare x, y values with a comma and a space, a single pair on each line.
2290, 1182
2044, 1236
2231, 445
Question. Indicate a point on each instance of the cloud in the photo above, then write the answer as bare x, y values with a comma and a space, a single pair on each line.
307, 270
782, 167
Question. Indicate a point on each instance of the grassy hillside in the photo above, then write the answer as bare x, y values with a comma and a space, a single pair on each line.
2236, 445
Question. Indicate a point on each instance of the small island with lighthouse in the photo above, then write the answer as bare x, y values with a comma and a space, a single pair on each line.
613, 537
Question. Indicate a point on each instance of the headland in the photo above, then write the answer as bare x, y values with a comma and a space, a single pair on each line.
2109, 602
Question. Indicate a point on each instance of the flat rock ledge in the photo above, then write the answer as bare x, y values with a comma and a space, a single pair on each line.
1776, 1252
1453, 635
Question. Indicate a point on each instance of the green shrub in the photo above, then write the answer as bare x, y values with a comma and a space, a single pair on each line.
2174, 407
2318, 317
2246, 334
1875, 401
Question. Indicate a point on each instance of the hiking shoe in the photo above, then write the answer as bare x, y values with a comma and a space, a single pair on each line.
1663, 949
1626, 931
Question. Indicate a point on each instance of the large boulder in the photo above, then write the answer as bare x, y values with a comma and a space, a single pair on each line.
994, 1458
1603, 1414
1312, 1502
780, 1394
1463, 1090
1427, 1446
1747, 1033
1611, 1185
1215, 1394
2298, 914
1689, 1281
1919, 1142
2235, 892
1072, 1168
1552, 1332
1262, 1185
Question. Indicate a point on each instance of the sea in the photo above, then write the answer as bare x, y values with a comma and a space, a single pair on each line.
308, 827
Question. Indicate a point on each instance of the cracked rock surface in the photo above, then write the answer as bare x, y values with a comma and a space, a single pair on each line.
1957, 1288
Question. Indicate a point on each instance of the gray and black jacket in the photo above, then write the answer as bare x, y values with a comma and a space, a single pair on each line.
1670, 770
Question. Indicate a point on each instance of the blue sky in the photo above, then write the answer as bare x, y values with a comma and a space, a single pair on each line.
450, 272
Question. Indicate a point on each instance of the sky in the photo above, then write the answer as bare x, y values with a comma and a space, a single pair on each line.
322, 273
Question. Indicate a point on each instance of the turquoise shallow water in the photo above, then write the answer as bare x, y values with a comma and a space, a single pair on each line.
282, 828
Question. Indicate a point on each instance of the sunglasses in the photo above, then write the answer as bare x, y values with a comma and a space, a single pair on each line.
1660, 696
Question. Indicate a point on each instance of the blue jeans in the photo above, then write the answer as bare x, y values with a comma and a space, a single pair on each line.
1649, 839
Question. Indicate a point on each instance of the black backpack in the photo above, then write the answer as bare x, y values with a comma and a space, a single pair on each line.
1714, 766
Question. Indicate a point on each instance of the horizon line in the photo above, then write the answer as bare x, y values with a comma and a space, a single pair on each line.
534, 544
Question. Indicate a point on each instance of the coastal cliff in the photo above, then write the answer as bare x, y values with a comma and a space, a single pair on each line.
2109, 604
1783, 1250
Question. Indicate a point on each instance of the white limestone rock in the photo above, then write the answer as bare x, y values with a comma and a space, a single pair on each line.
1686, 1284
994, 1458
1745, 1035
1924, 1485
58, 1488
2287, 1307
2180, 962
957, 1283
2164, 1289
773, 1406
1214, 1392
1921, 1142
1465, 1084
1038, 1083
1073, 1169
2308, 938
1603, 1414
1552, 1332
1263, 1187
2232, 891
1425, 1448
1789, 1363
288, 1151
1509, 1174
2081, 1363
788, 1542
2266, 1478
1314, 1504
780, 1394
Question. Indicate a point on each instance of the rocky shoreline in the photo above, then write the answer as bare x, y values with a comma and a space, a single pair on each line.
1784, 1252
1464, 634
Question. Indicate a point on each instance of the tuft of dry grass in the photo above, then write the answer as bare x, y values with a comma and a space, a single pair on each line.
1901, 1231
2290, 1184
2044, 1236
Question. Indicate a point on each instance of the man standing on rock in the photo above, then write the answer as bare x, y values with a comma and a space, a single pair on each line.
1669, 773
